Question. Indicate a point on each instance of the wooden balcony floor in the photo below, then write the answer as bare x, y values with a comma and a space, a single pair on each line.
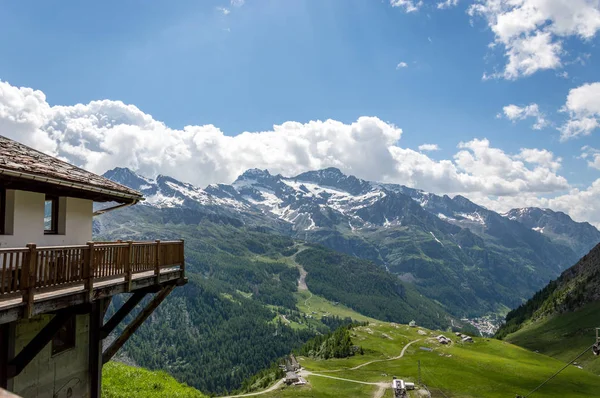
78, 288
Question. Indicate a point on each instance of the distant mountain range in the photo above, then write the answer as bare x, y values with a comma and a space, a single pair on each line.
469, 259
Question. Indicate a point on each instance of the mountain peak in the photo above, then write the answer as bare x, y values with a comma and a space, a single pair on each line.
255, 173
335, 178
126, 177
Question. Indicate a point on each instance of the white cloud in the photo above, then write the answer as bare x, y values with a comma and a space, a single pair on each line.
429, 147
592, 156
402, 65
581, 204
583, 106
540, 157
514, 113
225, 11
531, 31
103, 134
447, 4
237, 3
408, 5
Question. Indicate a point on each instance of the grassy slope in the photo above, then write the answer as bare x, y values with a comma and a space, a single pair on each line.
122, 381
563, 336
318, 307
488, 368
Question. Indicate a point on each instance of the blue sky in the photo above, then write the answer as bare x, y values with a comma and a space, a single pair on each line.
254, 64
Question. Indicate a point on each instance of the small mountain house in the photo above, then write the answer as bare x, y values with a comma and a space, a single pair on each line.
56, 282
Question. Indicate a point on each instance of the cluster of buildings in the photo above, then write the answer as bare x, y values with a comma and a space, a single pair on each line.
445, 340
487, 326
291, 367
464, 338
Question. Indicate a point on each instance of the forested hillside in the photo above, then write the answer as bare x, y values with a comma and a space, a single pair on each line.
560, 320
380, 295
576, 287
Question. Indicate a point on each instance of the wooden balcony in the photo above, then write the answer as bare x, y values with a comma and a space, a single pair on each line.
36, 280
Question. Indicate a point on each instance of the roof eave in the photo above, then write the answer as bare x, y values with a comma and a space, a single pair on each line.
110, 193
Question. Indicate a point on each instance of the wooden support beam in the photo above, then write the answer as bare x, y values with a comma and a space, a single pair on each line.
121, 314
4, 354
129, 265
95, 348
22, 359
136, 323
88, 272
157, 263
28, 279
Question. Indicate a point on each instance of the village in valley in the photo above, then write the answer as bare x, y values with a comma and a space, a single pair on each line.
486, 325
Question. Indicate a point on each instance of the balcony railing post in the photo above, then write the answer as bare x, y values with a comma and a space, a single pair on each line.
88, 272
28, 275
182, 257
129, 264
157, 263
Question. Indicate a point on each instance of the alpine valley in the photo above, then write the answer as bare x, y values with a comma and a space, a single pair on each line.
272, 261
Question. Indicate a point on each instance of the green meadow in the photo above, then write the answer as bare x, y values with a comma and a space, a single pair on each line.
563, 336
123, 381
485, 368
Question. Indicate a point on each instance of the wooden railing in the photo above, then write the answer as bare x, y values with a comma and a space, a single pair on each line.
30, 270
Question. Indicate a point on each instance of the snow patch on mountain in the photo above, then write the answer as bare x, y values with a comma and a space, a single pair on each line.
475, 217
436, 239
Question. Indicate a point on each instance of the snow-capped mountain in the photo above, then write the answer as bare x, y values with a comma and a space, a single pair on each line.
452, 249
558, 226
167, 192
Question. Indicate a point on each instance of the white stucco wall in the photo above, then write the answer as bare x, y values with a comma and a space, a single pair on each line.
25, 220
64, 375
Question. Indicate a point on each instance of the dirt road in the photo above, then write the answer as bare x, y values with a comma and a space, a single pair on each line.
274, 387
375, 361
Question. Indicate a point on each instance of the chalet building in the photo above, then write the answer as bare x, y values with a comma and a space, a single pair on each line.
56, 283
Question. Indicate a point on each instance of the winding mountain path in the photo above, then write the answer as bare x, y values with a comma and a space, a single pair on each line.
376, 360
383, 386
274, 387
302, 279
305, 373
381, 391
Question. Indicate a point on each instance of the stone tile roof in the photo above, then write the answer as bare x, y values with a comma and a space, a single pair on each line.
17, 157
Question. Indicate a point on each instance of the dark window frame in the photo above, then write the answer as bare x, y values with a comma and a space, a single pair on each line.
65, 338
53, 217
2, 211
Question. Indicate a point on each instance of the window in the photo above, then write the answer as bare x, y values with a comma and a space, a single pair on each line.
64, 339
2, 211
51, 215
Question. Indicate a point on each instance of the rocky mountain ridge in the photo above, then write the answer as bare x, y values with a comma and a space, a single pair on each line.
469, 258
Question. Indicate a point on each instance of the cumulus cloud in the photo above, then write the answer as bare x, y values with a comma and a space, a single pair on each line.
532, 31
237, 3
540, 157
402, 65
104, 134
447, 4
223, 10
592, 156
514, 113
583, 106
407, 5
429, 147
